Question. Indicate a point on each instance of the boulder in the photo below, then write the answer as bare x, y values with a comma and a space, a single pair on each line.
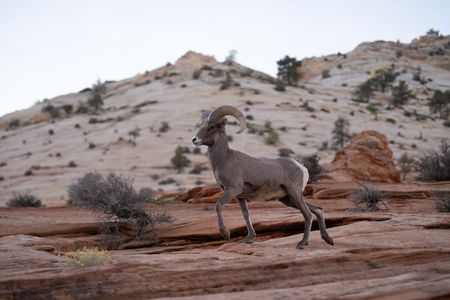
367, 158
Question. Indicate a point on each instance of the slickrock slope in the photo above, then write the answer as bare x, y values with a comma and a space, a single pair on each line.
402, 252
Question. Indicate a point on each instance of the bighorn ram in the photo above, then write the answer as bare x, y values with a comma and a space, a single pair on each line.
244, 177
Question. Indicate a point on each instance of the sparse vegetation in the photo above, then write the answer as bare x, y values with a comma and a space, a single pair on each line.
145, 103
72, 164
435, 166
374, 110
401, 94
340, 132
116, 197
315, 170
440, 103
179, 160
85, 258
382, 78
288, 70
364, 92
285, 152
134, 135
442, 201
24, 200
279, 86
164, 127
325, 74
228, 82
97, 94
272, 137
368, 198
406, 163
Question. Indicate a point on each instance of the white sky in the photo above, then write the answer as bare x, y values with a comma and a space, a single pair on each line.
54, 47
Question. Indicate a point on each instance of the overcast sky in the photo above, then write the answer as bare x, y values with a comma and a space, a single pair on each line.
54, 47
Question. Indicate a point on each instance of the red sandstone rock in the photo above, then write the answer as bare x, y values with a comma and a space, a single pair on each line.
367, 158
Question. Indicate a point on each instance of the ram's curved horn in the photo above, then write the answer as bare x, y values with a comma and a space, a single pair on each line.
225, 110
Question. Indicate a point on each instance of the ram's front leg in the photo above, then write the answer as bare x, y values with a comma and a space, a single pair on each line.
227, 196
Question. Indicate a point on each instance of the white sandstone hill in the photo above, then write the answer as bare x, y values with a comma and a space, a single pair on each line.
177, 93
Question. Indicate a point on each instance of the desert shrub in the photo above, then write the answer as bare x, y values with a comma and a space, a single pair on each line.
134, 135
341, 132
164, 127
440, 103
51, 132
92, 146
2, 178
406, 163
228, 82
169, 180
85, 258
196, 74
28, 173
197, 150
364, 92
401, 94
24, 200
435, 165
198, 169
390, 120
54, 111
285, 152
97, 94
179, 160
272, 137
116, 197
315, 170
368, 198
68, 108
2, 164
249, 117
72, 164
325, 73
373, 110
279, 87
147, 195
13, 124
145, 103
442, 201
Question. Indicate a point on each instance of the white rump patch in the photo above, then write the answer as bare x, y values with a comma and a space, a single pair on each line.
305, 173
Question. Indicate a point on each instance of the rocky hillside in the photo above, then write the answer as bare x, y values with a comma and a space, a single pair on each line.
145, 117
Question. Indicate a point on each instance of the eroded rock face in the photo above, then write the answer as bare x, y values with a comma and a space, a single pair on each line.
206, 194
367, 158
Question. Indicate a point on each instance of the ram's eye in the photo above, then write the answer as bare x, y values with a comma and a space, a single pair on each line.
211, 128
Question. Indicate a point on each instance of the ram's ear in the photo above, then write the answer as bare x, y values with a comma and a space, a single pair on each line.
222, 123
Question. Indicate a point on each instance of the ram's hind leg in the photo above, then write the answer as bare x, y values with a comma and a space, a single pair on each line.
296, 197
318, 212
251, 231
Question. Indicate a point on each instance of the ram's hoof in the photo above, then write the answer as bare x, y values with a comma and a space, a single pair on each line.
248, 240
225, 234
302, 244
328, 239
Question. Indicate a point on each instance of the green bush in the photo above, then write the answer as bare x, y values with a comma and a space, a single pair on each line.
24, 200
